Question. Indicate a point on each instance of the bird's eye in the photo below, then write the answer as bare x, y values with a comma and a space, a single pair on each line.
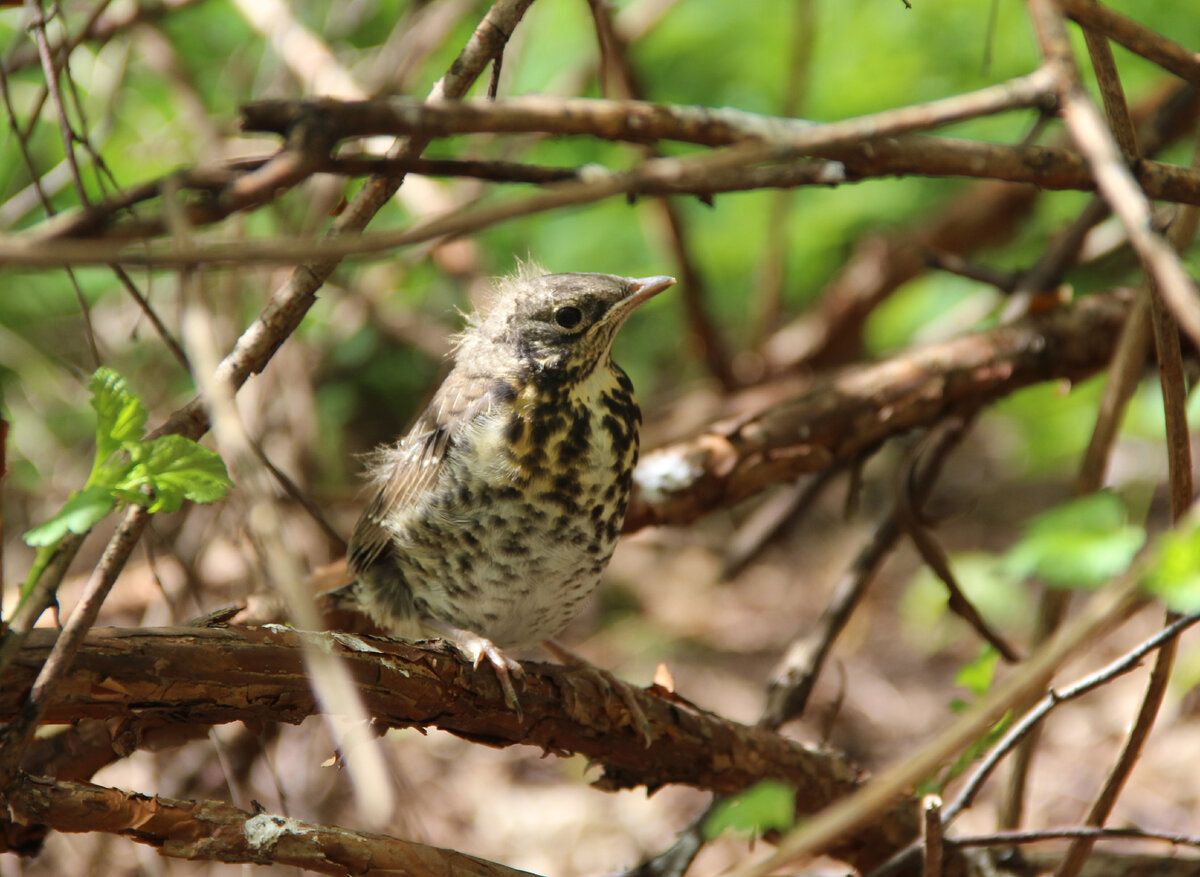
568, 317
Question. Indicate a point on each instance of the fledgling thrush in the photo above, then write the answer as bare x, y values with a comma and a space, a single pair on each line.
496, 514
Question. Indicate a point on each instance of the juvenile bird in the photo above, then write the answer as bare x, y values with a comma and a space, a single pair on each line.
495, 516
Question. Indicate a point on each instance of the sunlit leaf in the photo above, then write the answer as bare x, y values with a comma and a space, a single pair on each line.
176, 468
976, 676
120, 415
78, 515
1080, 544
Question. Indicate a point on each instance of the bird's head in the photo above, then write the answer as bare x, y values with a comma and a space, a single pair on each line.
560, 326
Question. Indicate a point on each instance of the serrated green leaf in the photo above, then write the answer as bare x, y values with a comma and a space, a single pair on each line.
767, 805
120, 415
1174, 574
176, 468
78, 515
1080, 544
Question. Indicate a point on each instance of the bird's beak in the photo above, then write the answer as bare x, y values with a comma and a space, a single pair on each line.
642, 289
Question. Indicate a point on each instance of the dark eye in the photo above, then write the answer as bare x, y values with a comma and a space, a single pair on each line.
568, 317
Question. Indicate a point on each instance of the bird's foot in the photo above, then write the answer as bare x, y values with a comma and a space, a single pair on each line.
609, 683
478, 648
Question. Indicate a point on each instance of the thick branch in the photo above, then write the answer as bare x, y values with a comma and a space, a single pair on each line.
211, 676
839, 418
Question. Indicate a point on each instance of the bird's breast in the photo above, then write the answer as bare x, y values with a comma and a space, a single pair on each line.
540, 487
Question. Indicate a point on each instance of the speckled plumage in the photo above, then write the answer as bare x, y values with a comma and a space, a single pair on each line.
496, 514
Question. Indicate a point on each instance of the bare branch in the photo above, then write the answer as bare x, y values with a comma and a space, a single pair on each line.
635, 121
219, 832
840, 417
1113, 178
1137, 38
209, 676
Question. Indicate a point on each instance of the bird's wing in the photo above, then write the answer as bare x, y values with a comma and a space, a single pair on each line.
407, 472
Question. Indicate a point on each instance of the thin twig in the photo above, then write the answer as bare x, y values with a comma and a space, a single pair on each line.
1107, 609
909, 498
694, 289
773, 275
1053, 602
793, 679
769, 519
952, 263
1031, 720
1137, 38
102, 25
1179, 459
48, 207
1127, 663
1011, 838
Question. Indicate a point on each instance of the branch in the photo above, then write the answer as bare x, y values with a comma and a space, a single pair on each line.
632, 120
1113, 177
839, 418
206, 676
719, 171
219, 832
1137, 38
978, 216
1105, 610
101, 27
1031, 720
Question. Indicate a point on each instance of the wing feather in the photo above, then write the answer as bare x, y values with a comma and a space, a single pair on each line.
406, 473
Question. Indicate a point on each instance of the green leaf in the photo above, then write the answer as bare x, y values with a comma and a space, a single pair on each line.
78, 515
1174, 574
120, 415
977, 675
767, 805
176, 468
1080, 544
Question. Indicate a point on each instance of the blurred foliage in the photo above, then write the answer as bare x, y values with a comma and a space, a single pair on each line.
768, 805
165, 95
1080, 544
986, 582
1174, 573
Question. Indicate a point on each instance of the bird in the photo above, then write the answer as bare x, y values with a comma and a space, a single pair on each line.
494, 516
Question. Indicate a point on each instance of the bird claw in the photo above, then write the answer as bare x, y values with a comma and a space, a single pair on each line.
609, 683
477, 648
